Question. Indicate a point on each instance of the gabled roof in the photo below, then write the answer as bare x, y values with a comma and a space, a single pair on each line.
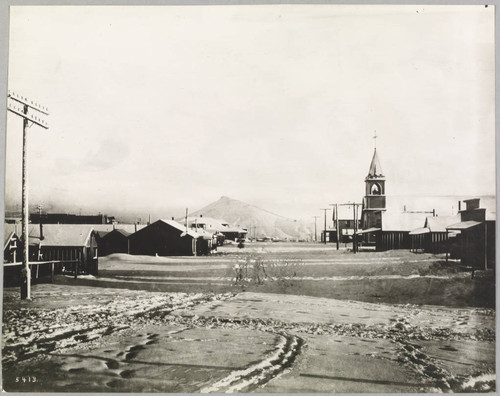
375, 168
439, 223
117, 231
402, 221
60, 234
102, 234
180, 227
9, 231
130, 228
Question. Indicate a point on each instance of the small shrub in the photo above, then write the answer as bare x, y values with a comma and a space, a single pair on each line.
254, 269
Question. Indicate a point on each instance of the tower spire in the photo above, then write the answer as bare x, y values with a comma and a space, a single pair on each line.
375, 140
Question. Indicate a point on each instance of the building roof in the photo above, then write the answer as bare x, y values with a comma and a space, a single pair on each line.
368, 231
180, 227
439, 223
402, 221
463, 225
9, 231
443, 205
130, 228
375, 168
60, 234
118, 231
210, 223
419, 231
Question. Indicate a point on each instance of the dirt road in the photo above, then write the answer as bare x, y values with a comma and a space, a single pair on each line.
82, 338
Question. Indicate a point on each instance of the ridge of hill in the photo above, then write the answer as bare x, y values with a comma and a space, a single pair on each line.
259, 222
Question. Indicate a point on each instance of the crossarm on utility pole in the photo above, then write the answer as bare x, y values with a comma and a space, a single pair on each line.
36, 119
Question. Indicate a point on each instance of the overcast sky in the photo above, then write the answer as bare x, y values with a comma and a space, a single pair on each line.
154, 109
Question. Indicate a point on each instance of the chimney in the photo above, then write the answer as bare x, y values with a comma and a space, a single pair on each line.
41, 230
135, 227
433, 212
201, 215
459, 205
172, 217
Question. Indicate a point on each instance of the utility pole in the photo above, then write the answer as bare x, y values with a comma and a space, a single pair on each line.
324, 233
315, 229
39, 207
354, 237
355, 226
26, 112
336, 222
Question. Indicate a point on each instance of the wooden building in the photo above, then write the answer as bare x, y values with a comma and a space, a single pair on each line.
58, 248
168, 238
73, 244
396, 227
11, 243
69, 218
432, 237
346, 231
476, 235
220, 228
115, 241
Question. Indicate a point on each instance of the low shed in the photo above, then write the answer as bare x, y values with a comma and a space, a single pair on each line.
115, 241
166, 238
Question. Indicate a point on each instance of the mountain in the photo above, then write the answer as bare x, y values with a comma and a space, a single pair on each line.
259, 222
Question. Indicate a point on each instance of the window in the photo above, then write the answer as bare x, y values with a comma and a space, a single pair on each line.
376, 190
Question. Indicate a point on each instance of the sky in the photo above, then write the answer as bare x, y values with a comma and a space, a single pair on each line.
157, 108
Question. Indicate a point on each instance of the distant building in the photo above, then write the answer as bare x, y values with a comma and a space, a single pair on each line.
168, 238
216, 226
68, 218
345, 222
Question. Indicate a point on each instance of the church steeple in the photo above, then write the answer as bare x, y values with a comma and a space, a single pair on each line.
375, 168
374, 200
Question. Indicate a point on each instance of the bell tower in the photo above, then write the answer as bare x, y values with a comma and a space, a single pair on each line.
374, 200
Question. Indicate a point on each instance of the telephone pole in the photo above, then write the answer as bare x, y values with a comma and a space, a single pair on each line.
355, 226
315, 229
336, 220
324, 233
27, 114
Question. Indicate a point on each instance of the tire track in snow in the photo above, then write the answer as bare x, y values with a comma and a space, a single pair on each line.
272, 366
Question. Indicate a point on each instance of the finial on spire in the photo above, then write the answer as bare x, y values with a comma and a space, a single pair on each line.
375, 140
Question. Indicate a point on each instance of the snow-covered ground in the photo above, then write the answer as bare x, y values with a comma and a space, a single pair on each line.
82, 338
